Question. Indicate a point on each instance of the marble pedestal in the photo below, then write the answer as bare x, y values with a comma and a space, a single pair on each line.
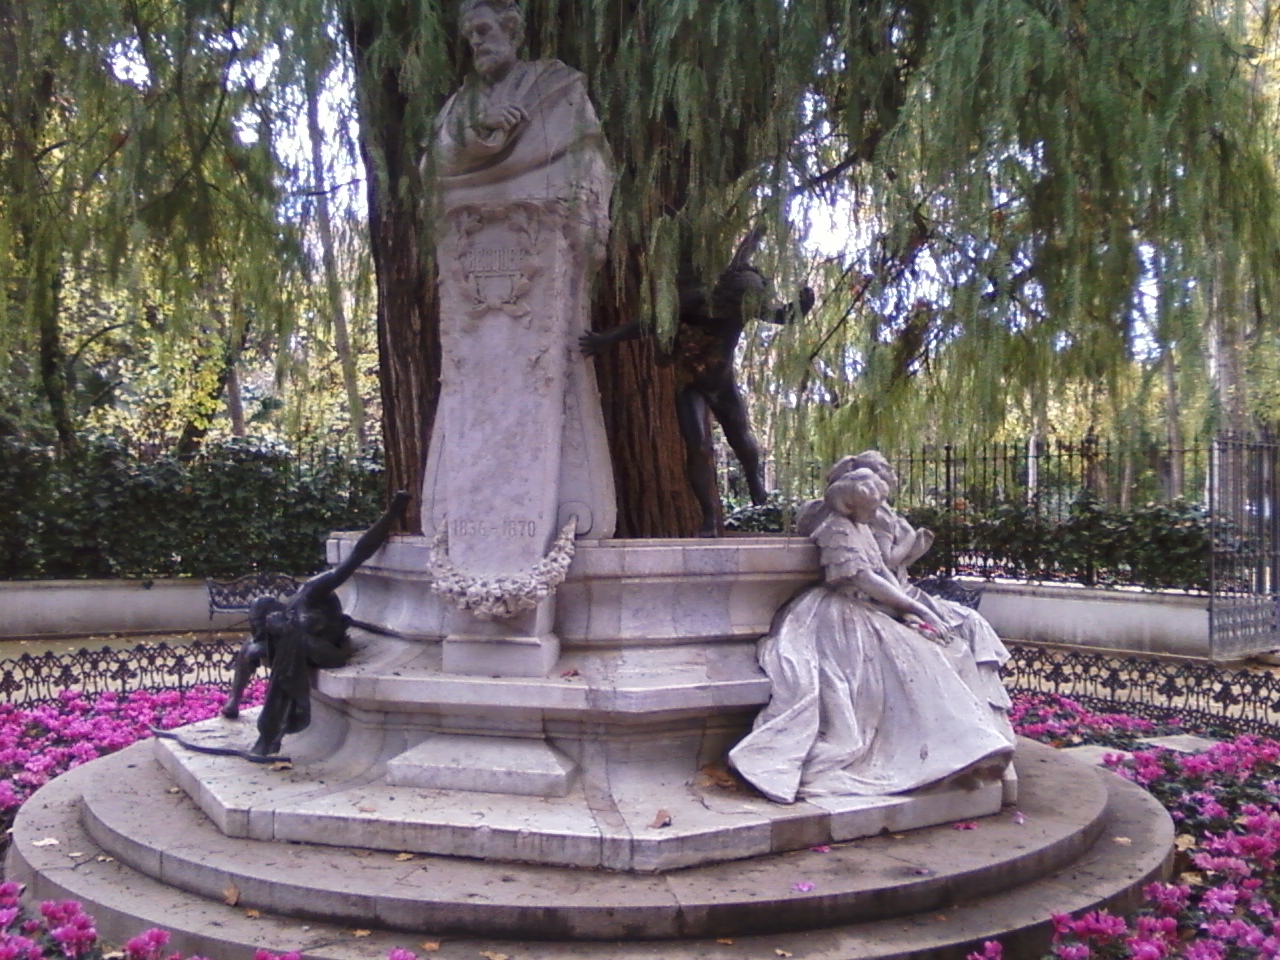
614, 760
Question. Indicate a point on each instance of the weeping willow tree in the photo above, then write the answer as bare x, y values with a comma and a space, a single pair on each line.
161, 215
1069, 196
1037, 195
1024, 179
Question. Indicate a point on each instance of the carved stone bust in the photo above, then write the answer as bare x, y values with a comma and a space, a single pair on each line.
517, 129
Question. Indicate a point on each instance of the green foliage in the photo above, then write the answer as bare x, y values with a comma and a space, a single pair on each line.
1159, 545
772, 517
240, 506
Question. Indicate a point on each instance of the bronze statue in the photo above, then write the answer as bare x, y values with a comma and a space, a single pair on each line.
705, 342
307, 630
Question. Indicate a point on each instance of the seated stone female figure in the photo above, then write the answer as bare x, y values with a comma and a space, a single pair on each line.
869, 693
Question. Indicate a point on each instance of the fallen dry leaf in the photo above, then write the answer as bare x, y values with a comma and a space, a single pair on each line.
717, 776
105, 859
402, 857
46, 842
897, 836
783, 953
570, 673
362, 853
727, 941
231, 895
253, 914
282, 765
76, 853
114, 955
661, 819
1122, 841
490, 955
362, 933
1184, 841
1191, 878
942, 917
368, 808
430, 946
173, 790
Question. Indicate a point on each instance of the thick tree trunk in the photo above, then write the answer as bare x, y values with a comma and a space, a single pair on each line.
46, 287
654, 497
408, 312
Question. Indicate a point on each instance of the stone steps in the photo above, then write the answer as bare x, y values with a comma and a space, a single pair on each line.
604, 819
876, 898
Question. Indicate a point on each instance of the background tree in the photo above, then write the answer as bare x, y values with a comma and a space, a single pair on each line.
1051, 210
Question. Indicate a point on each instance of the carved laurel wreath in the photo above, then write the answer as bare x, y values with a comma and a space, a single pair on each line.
500, 598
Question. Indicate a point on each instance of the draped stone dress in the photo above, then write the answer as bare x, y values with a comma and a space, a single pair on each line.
861, 704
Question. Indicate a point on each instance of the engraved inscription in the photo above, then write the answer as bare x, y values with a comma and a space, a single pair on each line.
511, 529
493, 260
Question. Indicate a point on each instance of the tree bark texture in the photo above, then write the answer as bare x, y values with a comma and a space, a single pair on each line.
639, 399
408, 311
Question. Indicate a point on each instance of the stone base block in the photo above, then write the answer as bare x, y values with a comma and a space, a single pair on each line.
501, 656
1009, 786
531, 768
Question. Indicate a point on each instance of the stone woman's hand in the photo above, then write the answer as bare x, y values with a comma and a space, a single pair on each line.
928, 627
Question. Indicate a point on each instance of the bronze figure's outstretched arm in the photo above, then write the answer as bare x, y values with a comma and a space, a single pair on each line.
365, 547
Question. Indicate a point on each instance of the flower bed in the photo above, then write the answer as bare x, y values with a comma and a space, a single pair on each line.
38, 743
1225, 803
1222, 904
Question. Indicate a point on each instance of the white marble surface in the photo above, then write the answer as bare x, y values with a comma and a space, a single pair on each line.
507, 765
617, 592
641, 805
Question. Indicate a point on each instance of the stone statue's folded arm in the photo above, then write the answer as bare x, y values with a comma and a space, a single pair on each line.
560, 119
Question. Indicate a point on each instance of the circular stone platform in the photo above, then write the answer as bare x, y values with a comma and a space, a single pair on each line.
138, 852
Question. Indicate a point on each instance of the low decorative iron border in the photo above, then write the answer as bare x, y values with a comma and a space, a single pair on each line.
33, 679
1229, 699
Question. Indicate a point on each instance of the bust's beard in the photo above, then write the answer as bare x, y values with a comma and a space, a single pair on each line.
492, 67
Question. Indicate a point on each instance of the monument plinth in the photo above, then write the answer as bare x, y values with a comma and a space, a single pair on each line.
506, 476
519, 463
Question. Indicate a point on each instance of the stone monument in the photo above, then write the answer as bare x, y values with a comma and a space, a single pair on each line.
461, 770
519, 463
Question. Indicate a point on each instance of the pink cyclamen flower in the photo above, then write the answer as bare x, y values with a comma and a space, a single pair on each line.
148, 945
804, 886
400, 953
965, 825
991, 950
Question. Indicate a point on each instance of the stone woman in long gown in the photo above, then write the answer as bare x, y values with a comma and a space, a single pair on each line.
901, 545
869, 692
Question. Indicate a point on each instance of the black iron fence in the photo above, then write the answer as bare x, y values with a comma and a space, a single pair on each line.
1089, 511
1244, 487
1200, 695
1051, 474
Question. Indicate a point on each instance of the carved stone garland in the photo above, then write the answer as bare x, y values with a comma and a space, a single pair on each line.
500, 597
